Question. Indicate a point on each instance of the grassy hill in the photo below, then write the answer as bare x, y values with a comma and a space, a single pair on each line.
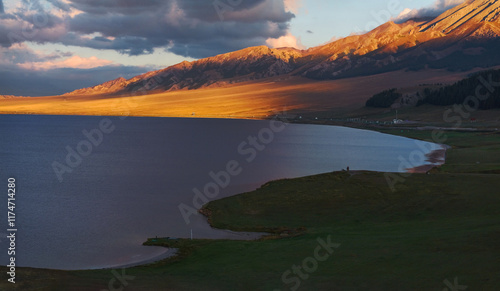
253, 99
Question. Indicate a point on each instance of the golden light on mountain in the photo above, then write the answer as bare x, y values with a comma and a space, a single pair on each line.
257, 80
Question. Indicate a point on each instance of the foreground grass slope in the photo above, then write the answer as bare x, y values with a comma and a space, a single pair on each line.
432, 228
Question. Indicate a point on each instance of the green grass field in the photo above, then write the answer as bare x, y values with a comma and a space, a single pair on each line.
432, 228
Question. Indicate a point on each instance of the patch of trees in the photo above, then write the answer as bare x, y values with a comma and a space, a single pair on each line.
384, 99
480, 90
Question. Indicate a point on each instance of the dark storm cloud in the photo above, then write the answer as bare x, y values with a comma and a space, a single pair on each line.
126, 7
31, 24
194, 28
246, 11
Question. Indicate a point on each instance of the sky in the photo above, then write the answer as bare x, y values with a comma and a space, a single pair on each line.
50, 47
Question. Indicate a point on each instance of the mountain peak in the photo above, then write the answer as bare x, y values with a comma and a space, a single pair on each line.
107, 87
468, 34
466, 16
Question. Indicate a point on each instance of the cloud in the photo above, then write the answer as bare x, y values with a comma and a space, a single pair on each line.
75, 62
288, 40
190, 28
193, 28
22, 56
30, 23
26, 72
62, 5
22, 82
293, 5
436, 9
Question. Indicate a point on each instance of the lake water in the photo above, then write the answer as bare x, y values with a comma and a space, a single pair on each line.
131, 175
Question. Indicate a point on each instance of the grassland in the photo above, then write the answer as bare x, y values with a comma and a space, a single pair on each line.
434, 227
253, 99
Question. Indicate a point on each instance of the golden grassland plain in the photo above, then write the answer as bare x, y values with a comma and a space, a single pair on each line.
256, 99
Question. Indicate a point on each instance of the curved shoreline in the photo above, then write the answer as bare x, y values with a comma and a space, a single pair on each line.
435, 159
169, 252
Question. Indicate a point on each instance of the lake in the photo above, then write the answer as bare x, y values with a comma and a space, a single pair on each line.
91, 190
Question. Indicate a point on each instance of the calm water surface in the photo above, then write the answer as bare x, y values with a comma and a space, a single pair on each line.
130, 185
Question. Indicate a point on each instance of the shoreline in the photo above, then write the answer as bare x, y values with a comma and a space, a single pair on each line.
436, 159
284, 116
169, 252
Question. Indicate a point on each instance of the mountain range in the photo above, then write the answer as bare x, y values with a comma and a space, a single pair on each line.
462, 38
